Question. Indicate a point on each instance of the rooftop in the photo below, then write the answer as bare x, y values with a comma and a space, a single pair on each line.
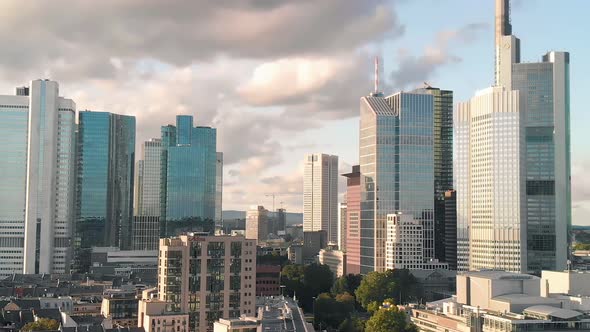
498, 275
552, 312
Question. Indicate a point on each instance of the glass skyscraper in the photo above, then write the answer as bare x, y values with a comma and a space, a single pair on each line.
397, 170
37, 176
105, 162
189, 176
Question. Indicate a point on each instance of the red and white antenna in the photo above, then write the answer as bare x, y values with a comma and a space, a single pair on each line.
376, 74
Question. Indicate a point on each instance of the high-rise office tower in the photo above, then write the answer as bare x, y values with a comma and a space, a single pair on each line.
342, 226
257, 223
353, 217
208, 277
544, 104
37, 175
450, 231
494, 185
146, 222
105, 168
320, 195
219, 188
188, 173
397, 170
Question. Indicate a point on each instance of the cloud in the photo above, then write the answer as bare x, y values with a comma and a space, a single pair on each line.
81, 42
417, 69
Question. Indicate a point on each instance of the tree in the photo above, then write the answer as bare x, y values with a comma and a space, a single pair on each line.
378, 286
347, 284
332, 311
42, 324
582, 246
307, 282
390, 319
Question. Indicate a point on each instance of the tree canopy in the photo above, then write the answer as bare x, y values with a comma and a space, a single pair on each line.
390, 320
378, 286
306, 282
42, 324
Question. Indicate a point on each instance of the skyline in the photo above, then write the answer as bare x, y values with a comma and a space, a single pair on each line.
146, 83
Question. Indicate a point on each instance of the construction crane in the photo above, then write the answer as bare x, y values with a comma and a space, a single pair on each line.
274, 195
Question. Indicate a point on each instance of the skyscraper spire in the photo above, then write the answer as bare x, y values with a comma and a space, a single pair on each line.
503, 26
376, 74
506, 45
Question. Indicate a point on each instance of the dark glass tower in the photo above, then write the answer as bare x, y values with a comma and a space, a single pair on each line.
189, 160
104, 187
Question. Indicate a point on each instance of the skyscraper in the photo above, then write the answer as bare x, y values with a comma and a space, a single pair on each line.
353, 217
219, 188
146, 223
189, 179
105, 168
37, 175
342, 226
257, 223
397, 170
545, 152
320, 195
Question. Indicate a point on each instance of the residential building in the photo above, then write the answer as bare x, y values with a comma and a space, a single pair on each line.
154, 315
543, 209
208, 277
121, 306
188, 173
104, 188
404, 245
397, 170
335, 260
320, 195
450, 229
353, 217
342, 226
37, 128
257, 223
268, 280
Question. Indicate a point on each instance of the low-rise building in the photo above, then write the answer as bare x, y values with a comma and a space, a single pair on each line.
242, 324
268, 280
121, 306
155, 315
335, 260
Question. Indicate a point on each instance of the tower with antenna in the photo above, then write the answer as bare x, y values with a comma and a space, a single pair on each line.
376, 92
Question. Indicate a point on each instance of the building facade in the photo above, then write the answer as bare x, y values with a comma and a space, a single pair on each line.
335, 260
353, 217
450, 230
37, 171
544, 208
219, 188
397, 170
105, 176
342, 226
257, 223
320, 195
208, 277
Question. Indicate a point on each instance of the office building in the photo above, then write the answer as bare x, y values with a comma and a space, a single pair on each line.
219, 188
404, 245
148, 183
208, 277
188, 185
313, 242
397, 170
544, 208
37, 173
320, 195
353, 217
498, 301
335, 260
257, 223
342, 226
491, 197
268, 280
450, 231
104, 188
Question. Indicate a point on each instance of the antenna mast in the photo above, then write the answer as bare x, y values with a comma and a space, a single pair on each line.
376, 74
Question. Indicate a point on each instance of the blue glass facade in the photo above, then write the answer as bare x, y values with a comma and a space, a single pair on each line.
397, 170
106, 157
190, 160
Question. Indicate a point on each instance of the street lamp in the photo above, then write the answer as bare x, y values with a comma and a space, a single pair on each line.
313, 312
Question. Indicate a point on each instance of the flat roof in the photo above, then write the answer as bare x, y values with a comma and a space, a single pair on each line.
552, 311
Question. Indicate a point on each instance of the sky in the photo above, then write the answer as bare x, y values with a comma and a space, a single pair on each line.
280, 78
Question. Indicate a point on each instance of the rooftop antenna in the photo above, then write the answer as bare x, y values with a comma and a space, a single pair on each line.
376, 74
